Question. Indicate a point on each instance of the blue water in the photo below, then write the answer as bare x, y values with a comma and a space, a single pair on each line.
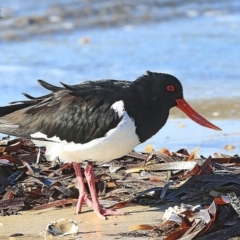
184, 133
202, 51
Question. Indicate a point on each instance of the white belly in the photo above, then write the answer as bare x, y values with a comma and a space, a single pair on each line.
116, 143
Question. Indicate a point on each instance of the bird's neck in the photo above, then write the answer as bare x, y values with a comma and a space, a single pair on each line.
150, 124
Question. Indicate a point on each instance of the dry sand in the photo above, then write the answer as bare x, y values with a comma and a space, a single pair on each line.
32, 223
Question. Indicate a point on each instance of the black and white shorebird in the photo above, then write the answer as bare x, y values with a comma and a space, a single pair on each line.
97, 120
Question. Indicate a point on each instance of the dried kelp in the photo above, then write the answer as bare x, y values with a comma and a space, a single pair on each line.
206, 190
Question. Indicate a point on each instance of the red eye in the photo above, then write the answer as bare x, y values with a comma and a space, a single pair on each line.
170, 88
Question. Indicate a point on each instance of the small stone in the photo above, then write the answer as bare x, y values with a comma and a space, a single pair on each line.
216, 114
229, 147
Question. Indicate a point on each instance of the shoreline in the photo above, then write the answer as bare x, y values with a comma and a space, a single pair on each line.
213, 108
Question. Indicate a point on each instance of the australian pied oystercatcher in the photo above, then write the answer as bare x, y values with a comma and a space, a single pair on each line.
97, 120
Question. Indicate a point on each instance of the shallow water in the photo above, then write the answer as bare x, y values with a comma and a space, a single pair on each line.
198, 43
184, 133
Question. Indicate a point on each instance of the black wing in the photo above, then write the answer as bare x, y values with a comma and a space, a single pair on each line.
77, 113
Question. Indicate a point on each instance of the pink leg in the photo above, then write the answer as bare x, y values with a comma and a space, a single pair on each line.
101, 213
83, 195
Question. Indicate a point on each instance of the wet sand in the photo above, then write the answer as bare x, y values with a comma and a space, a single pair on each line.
213, 108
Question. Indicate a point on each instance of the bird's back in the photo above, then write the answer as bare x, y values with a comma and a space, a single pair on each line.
77, 113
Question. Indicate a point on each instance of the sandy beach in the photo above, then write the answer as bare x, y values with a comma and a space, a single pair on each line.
33, 223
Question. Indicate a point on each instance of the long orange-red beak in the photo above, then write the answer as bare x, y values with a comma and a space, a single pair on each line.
196, 117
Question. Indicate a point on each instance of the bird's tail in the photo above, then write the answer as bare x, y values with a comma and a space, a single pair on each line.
8, 128
11, 108
9, 115
6, 125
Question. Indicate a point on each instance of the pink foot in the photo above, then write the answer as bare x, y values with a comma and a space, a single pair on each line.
101, 212
84, 197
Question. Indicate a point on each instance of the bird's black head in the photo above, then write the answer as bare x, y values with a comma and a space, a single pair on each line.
159, 90
162, 92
